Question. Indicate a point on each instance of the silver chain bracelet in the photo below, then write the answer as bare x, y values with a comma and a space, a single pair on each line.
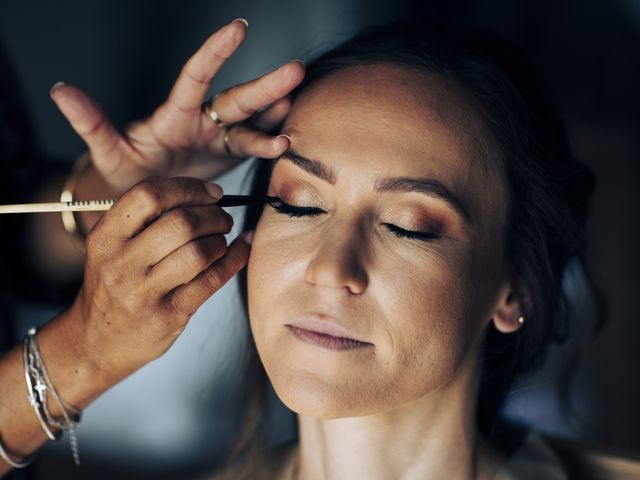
36, 373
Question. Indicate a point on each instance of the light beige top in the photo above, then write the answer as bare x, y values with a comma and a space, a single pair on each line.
534, 460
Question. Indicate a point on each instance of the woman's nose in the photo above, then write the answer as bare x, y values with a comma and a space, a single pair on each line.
338, 263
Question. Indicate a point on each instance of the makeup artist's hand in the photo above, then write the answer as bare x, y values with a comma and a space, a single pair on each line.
152, 260
178, 139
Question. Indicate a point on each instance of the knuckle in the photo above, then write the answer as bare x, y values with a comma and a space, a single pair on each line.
208, 250
179, 303
227, 221
186, 184
198, 77
94, 129
198, 255
223, 222
184, 222
220, 243
218, 247
263, 146
267, 92
146, 194
242, 107
215, 278
238, 257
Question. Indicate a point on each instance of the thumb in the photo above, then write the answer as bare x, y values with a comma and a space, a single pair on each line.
90, 122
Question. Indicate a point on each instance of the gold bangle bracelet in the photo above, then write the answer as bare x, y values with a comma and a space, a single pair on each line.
69, 220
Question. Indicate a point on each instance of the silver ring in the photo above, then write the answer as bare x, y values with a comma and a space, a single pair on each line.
207, 109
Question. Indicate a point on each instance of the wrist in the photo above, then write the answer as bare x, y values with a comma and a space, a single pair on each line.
75, 373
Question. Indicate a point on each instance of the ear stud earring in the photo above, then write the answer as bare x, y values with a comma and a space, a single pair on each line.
521, 320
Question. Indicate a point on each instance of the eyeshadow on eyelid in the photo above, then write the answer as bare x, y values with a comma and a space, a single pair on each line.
416, 223
418, 218
286, 189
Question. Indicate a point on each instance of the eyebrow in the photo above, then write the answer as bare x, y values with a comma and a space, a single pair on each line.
313, 167
426, 186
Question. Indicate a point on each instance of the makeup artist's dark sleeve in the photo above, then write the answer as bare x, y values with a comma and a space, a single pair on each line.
23, 171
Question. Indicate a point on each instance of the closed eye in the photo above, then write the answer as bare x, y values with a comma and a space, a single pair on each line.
294, 211
411, 234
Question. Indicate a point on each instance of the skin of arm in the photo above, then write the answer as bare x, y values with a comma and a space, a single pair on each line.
77, 381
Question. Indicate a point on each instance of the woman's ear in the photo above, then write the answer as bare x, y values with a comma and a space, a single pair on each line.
508, 316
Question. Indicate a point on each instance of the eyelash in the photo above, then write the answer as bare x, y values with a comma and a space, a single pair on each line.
293, 211
411, 234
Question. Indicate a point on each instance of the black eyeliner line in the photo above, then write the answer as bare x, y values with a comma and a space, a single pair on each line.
239, 200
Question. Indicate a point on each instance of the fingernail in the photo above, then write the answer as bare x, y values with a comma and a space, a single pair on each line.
243, 20
299, 61
214, 190
247, 237
55, 85
282, 135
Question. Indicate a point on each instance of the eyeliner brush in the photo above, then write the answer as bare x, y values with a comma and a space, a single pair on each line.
239, 200
102, 205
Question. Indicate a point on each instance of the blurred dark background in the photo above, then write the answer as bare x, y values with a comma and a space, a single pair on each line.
128, 53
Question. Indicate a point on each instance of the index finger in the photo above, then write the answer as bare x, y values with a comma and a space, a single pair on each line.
195, 78
240, 102
148, 199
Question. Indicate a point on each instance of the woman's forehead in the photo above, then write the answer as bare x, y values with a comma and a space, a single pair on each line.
393, 92
400, 119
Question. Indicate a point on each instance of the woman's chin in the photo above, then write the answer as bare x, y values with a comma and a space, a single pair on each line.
322, 406
320, 398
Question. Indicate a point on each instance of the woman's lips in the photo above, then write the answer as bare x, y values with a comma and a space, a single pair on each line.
327, 341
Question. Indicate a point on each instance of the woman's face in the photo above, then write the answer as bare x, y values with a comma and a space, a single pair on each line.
372, 286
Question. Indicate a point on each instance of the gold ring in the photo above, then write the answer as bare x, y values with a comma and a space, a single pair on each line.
207, 109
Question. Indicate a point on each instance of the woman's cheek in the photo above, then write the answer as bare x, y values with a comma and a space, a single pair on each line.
434, 313
274, 268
